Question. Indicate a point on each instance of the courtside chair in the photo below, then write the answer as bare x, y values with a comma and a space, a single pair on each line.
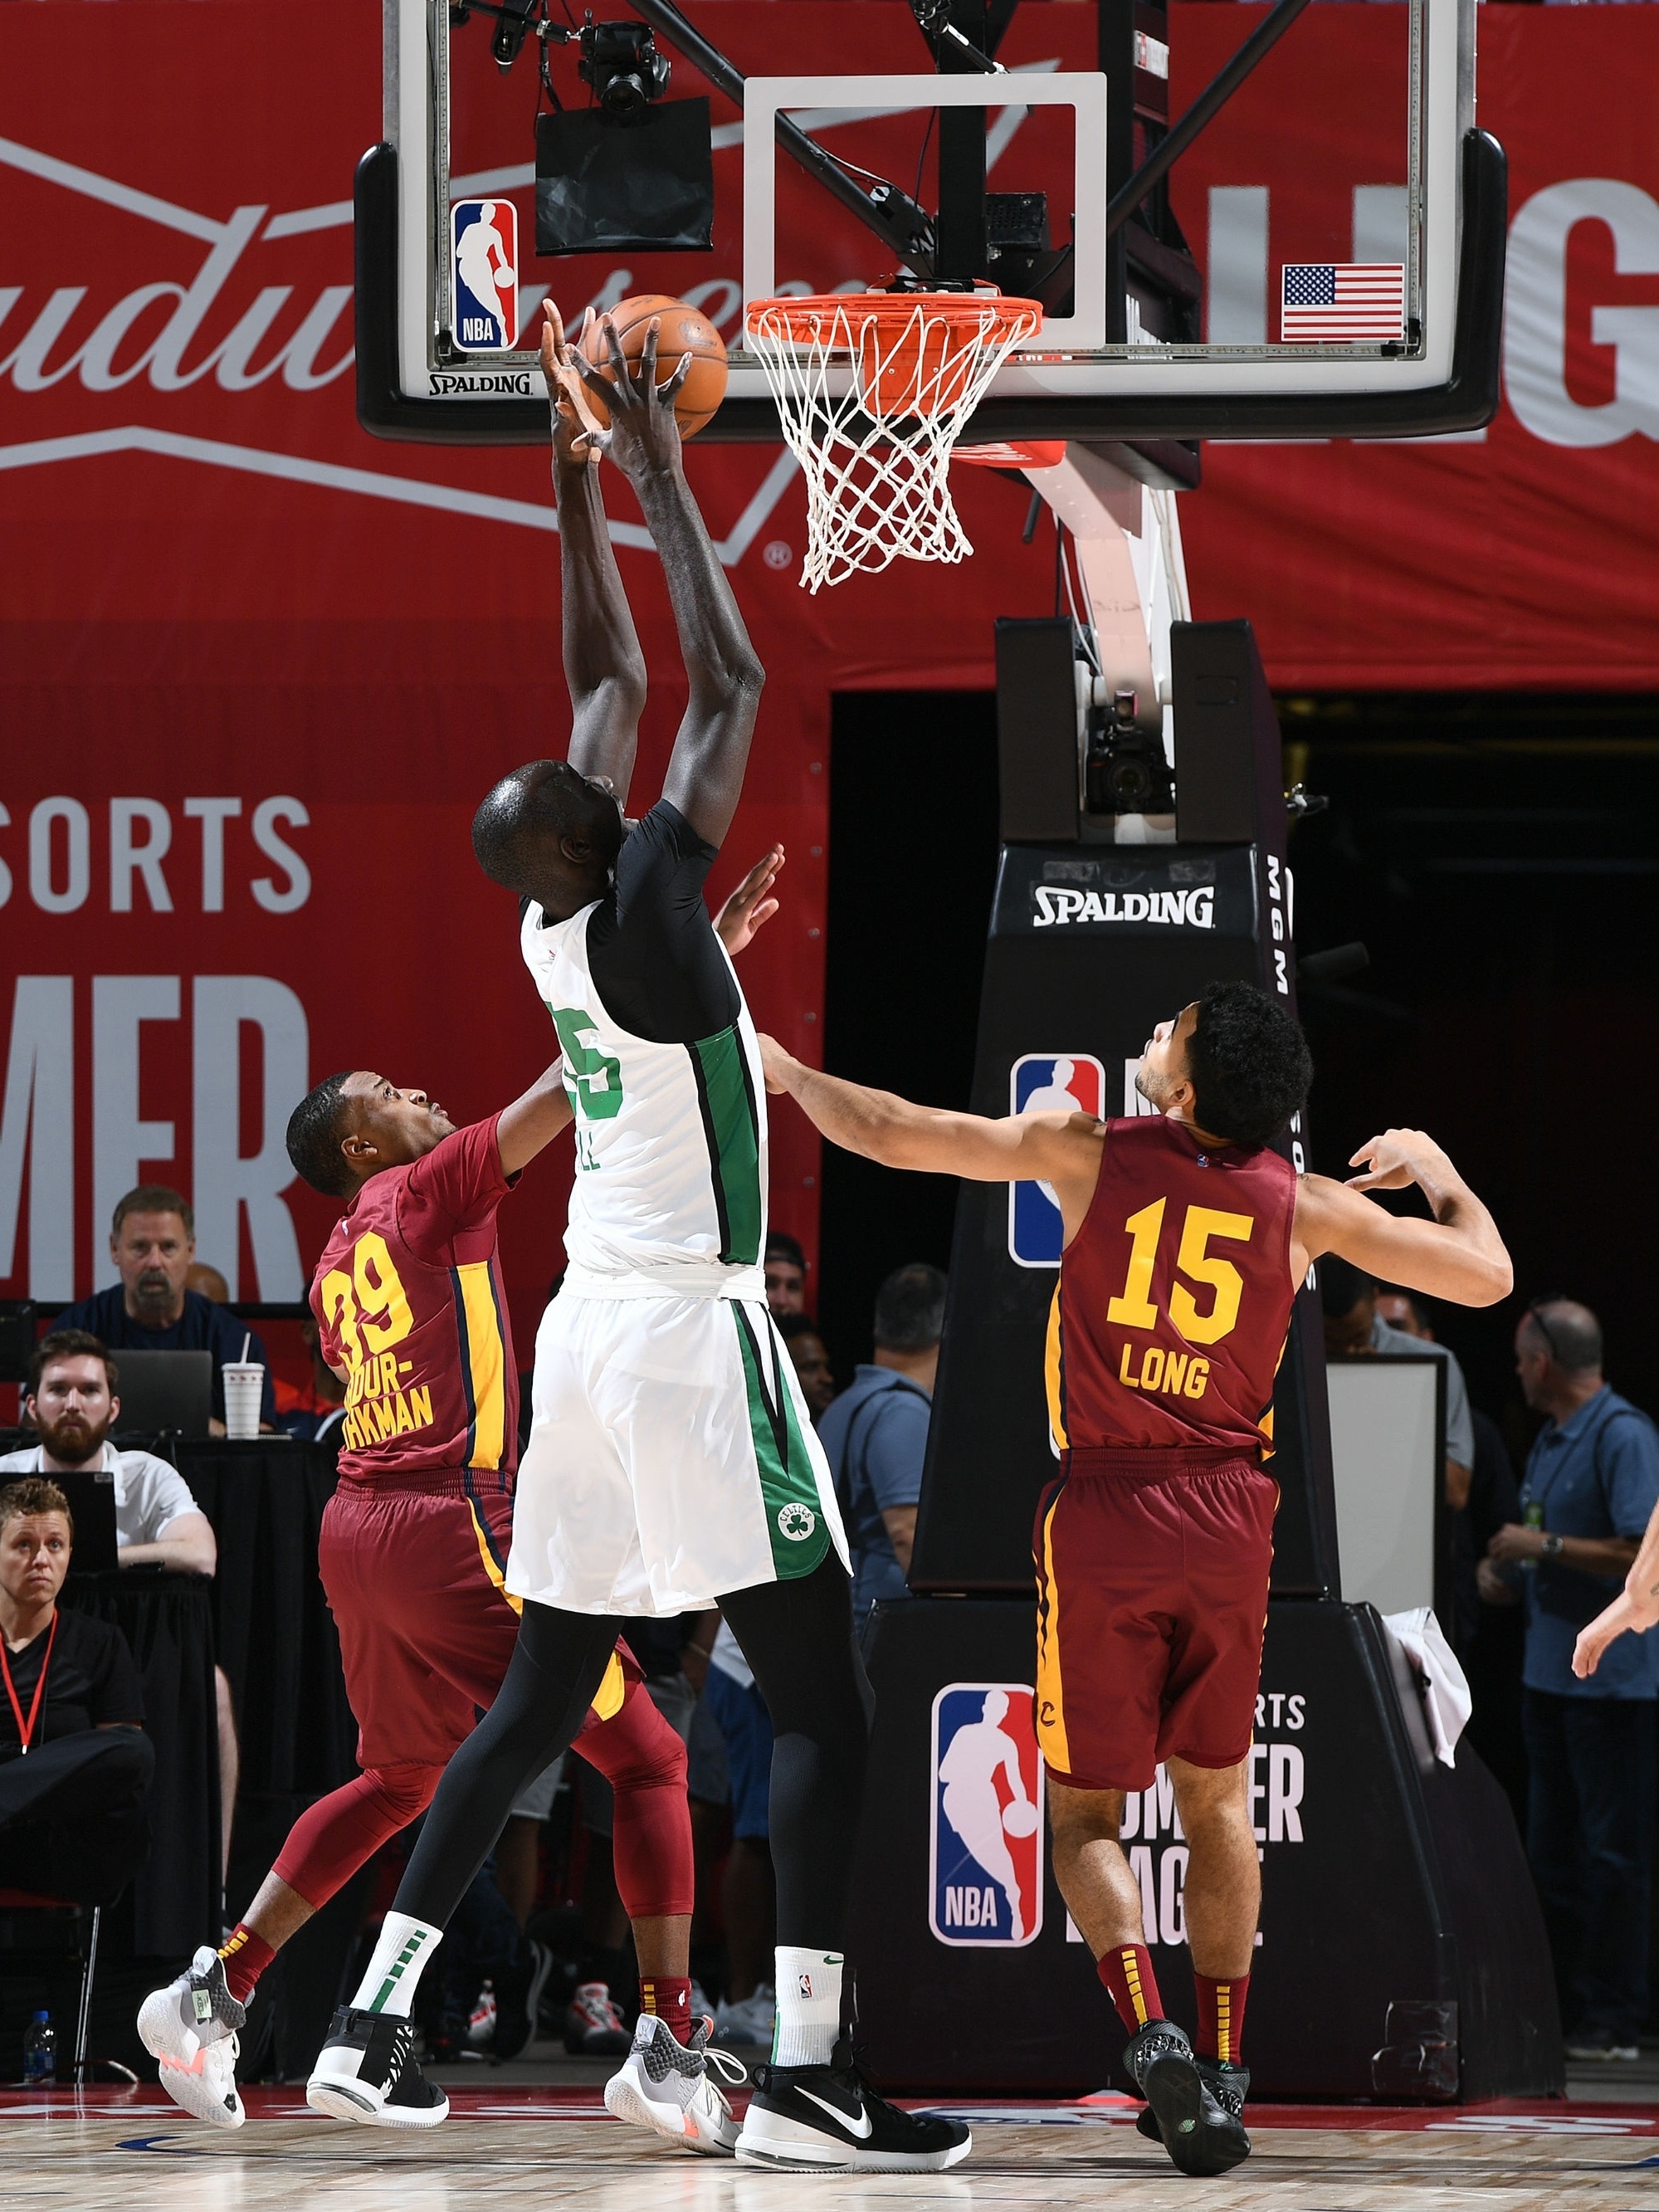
85, 1922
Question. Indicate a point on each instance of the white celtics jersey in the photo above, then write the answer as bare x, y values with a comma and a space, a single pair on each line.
670, 1199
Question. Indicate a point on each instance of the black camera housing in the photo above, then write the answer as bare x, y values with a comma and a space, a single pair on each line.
621, 62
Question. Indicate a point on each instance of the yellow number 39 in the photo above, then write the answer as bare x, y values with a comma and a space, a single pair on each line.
368, 1307
1133, 1309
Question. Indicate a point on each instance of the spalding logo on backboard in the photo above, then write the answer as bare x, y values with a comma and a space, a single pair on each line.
985, 1849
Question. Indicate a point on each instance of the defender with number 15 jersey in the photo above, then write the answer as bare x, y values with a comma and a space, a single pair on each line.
1153, 1548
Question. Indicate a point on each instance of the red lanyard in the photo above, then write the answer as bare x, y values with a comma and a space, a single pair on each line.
26, 1733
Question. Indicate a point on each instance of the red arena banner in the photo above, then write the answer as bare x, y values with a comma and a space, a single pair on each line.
256, 669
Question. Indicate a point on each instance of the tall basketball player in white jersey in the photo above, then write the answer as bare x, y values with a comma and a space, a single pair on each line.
672, 1464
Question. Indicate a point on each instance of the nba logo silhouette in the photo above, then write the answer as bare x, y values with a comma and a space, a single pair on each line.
483, 263
1047, 1083
985, 1853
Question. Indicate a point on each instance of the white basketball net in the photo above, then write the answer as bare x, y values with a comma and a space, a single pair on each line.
877, 459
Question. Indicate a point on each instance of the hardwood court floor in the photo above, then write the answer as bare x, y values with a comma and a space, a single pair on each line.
131, 2149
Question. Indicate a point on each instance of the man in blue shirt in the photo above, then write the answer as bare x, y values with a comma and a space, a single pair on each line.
1592, 1484
876, 1435
152, 1241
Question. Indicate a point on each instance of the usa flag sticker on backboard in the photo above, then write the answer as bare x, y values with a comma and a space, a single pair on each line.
483, 264
1040, 1082
985, 1849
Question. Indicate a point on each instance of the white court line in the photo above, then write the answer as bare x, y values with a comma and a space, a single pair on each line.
370, 483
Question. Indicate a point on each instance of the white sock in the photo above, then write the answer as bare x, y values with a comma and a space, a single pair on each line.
404, 1947
809, 2006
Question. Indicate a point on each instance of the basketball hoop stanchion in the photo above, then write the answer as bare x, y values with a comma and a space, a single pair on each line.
876, 453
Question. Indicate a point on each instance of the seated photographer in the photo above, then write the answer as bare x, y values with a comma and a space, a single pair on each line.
75, 1763
152, 1241
71, 1403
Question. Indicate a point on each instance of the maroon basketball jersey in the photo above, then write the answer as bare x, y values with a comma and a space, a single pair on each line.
408, 1296
1174, 1295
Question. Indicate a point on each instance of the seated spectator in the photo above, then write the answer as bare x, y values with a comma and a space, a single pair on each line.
72, 1402
876, 1435
207, 1282
785, 1269
811, 1361
152, 1241
1354, 1327
316, 1411
72, 1817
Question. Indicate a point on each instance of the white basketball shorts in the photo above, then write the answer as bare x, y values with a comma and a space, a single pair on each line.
672, 1459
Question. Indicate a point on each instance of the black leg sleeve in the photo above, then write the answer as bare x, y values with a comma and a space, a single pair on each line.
558, 1664
797, 1637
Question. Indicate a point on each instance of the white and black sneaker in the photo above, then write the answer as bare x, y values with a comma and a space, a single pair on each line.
823, 2119
190, 2029
1194, 2105
366, 2071
670, 2087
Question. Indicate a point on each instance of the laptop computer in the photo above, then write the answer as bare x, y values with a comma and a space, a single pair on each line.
164, 1390
91, 1495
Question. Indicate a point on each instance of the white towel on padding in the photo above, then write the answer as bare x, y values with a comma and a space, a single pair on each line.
1447, 1700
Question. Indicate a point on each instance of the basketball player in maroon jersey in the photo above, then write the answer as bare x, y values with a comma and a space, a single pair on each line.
412, 1313
1186, 1239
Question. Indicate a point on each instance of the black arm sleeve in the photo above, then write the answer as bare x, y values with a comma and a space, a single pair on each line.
658, 964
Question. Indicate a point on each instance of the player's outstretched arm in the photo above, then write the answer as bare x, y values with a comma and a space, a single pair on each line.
529, 1124
603, 665
711, 751
1061, 1149
1636, 1608
1458, 1255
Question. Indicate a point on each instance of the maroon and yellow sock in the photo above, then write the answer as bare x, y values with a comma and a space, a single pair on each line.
669, 1997
1133, 1986
245, 1956
1220, 2017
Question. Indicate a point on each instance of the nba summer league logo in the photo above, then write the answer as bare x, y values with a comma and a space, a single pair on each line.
484, 273
1048, 1083
985, 1851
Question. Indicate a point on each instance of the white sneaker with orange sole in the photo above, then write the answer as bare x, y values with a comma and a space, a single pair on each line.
670, 2087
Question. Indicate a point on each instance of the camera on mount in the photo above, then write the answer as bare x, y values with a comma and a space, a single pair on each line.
621, 62
1124, 768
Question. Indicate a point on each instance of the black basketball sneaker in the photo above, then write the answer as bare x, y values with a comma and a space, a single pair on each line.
823, 2119
1194, 2105
366, 2071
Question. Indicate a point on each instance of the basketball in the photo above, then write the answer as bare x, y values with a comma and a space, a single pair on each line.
685, 329
1019, 1819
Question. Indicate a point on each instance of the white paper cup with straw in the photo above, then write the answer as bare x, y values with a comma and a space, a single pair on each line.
244, 1390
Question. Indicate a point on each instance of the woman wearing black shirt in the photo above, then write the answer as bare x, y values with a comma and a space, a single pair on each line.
75, 1764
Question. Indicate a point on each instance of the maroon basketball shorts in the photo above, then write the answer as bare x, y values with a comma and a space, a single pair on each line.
414, 1569
1152, 1570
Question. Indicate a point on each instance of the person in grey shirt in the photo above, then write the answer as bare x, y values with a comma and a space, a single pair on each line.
875, 1435
1353, 1326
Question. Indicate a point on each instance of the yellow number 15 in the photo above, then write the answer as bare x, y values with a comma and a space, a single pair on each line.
1133, 1309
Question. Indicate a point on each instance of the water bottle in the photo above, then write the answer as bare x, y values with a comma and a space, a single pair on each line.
40, 2053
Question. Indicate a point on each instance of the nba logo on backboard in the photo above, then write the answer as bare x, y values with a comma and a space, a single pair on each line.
483, 261
985, 1854
1044, 1082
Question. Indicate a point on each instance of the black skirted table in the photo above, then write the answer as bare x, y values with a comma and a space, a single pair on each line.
274, 1635
167, 1620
